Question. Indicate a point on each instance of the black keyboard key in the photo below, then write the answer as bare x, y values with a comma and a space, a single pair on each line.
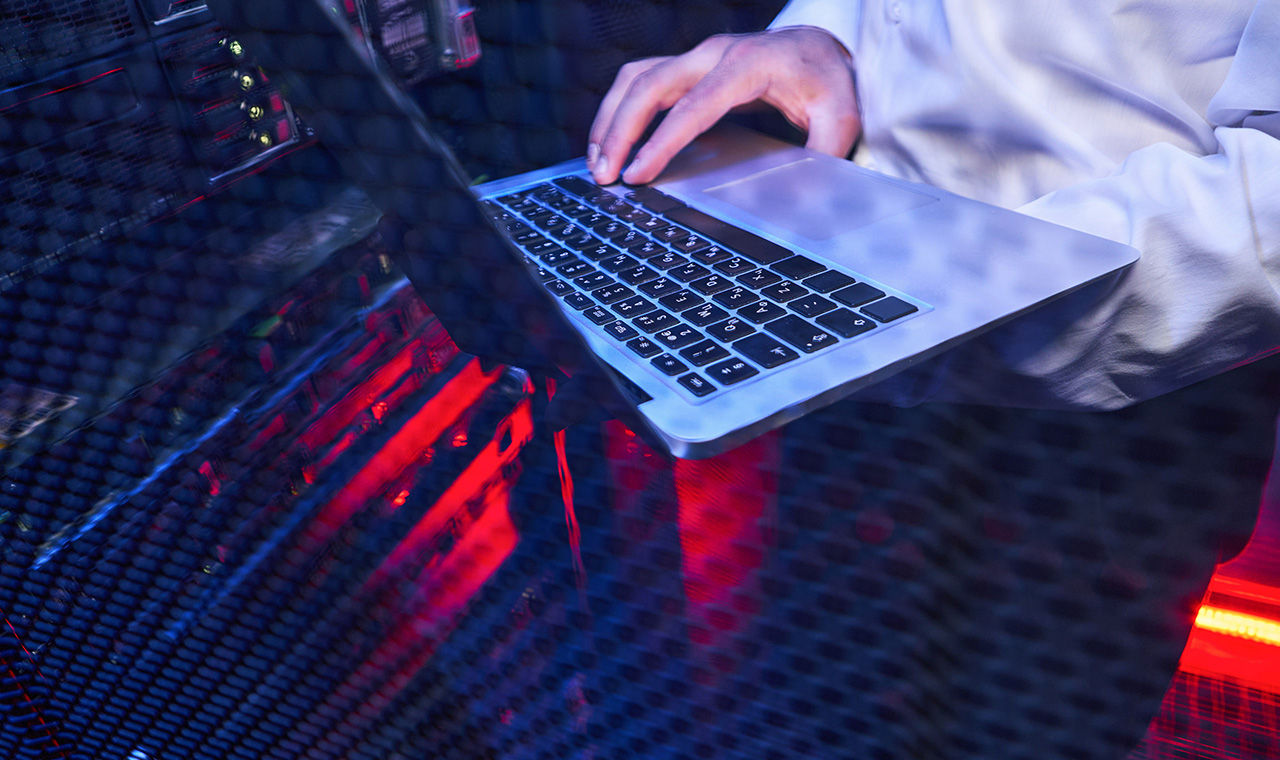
578, 301
696, 384
763, 311
602, 251
702, 354
765, 351
632, 307
678, 336
633, 215
578, 211
651, 225
544, 275
557, 225
654, 200
515, 229
558, 287
736, 298
845, 323
713, 284
668, 260
670, 233
528, 238
542, 248
800, 333
705, 314
580, 241
576, 185
657, 288
618, 263
574, 268
811, 305
560, 202
689, 244
856, 295
731, 371
618, 207
888, 309
783, 291
731, 329
712, 255
759, 278
557, 257
643, 346
593, 280
593, 219
611, 293
538, 215
735, 266
828, 281
647, 248
655, 321
620, 331
669, 365
611, 230
514, 199
798, 267
637, 274
748, 244
598, 315
684, 299
688, 272
628, 239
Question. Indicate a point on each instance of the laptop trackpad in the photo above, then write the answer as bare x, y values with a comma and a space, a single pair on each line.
819, 200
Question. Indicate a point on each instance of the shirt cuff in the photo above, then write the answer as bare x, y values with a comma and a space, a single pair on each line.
841, 19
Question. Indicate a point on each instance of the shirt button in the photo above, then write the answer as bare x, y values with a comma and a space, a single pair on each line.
895, 12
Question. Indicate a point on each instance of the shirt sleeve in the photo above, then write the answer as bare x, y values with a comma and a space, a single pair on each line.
839, 18
1203, 298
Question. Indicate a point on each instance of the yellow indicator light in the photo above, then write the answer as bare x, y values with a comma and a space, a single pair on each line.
265, 139
1239, 624
246, 82
236, 48
256, 112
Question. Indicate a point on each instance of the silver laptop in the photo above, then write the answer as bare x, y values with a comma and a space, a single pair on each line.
752, 283
756, 281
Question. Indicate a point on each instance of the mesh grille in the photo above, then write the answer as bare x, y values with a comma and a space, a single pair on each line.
35, 33
56, 196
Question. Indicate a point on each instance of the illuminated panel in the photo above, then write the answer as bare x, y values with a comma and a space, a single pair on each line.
1236, 634
1239, 624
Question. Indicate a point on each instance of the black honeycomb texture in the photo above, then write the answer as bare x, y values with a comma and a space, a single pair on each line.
32, 33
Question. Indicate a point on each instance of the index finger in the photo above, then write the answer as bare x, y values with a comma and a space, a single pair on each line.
722, 89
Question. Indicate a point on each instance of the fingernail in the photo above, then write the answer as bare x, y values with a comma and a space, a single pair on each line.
600, 170
628, 174
593, 152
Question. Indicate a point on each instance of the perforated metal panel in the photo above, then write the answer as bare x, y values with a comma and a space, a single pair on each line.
37, 35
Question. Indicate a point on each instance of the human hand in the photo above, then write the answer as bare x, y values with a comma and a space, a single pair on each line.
802, 71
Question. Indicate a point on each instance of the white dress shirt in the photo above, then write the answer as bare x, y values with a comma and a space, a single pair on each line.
1154, 123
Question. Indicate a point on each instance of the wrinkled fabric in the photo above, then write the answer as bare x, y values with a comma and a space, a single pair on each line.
1156, 124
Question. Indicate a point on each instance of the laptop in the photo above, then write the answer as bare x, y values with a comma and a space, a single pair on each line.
752, 283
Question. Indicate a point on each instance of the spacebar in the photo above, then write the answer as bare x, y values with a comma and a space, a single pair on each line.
752, 246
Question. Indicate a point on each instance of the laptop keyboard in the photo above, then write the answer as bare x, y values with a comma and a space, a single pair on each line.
706, 303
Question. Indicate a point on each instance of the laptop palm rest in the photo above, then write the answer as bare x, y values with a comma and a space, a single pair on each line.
817, 200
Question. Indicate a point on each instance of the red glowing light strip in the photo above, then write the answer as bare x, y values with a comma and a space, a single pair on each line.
491, 460
405, 447
1239, 624
342, 413
62, 89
